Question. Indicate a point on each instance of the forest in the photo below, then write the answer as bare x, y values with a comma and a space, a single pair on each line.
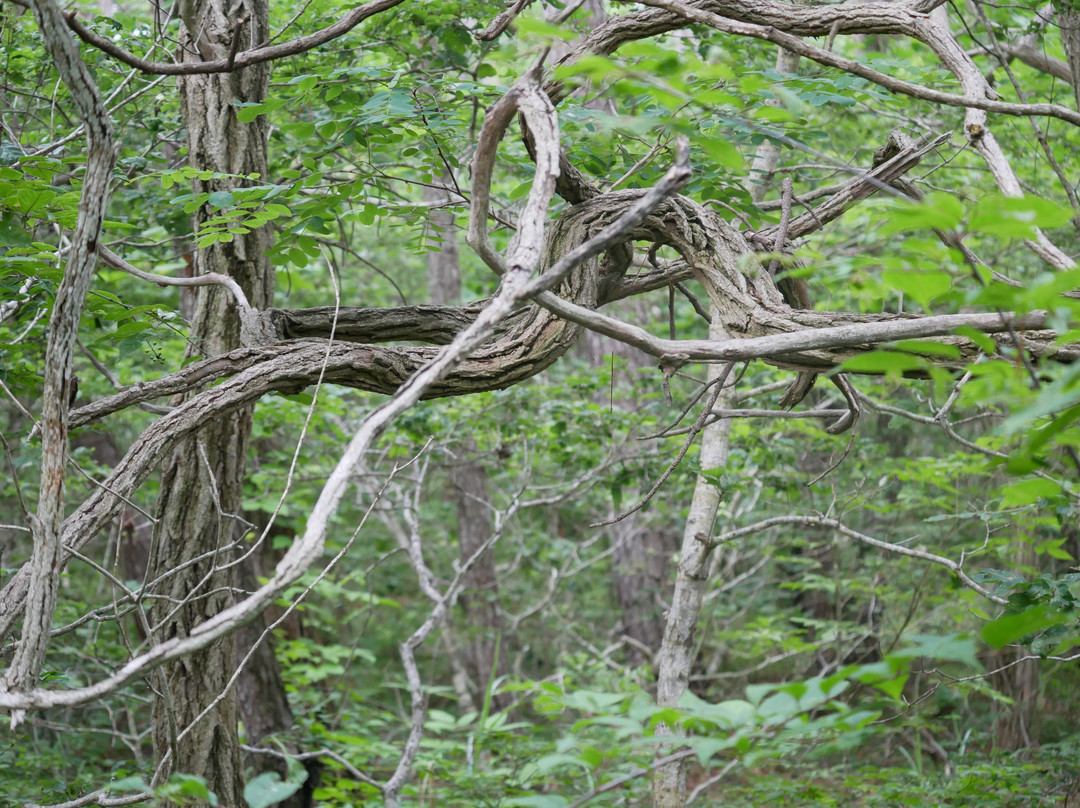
539, 403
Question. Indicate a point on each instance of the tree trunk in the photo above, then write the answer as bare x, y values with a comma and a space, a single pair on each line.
195, 718
677, 651
1069, 24
639, 568
480, 595
1016, 725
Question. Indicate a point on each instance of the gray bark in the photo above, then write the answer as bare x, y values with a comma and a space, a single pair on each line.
480, 594
767, 156
641, 553
43, 574
677, 651
202, 479
443, 264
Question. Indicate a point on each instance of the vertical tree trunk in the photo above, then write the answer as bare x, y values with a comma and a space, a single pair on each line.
1016, 725
443, 264
1069, 25
767, 156
677, 651
480, 595
201, 482
639, 568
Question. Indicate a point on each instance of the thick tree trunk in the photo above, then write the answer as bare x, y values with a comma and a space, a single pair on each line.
1016, 725
1069, 24
195, 717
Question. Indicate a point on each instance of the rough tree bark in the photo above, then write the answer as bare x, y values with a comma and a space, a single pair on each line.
202, 479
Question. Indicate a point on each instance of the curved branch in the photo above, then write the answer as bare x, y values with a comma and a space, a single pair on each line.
240, 60
113, 260
830, 59
749, 305
524, 259
254, 329
761, 324
910, 18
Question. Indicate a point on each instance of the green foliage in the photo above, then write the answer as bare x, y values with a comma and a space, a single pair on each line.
825, 673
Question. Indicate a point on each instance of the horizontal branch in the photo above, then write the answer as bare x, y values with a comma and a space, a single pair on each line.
790, 347
113, 260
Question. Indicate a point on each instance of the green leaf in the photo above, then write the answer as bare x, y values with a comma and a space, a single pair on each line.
520, 190
948, 648
539, 801
1011, 627
893, 688
706, 748
985, 343
247, 112
133, 783
922, 287
923, 346
1009, 217
267, 789
535, 27
722, 153
221, 199
300, 398
939, 210
883, 362
131, 345
1027, 491
12, 234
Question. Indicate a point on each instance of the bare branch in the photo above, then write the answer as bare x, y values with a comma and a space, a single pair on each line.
957, 568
